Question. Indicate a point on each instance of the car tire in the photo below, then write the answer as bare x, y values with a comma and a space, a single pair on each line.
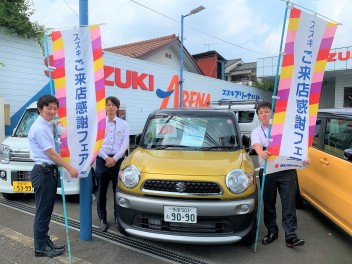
249, 239
11, 196
121, 229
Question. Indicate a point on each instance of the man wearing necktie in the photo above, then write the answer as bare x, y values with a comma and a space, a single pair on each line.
111, 154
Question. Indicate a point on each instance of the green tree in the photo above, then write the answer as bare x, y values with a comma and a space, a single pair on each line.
14, 19
264, 85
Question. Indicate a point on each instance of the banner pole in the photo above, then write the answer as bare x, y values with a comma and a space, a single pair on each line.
270, 125
52, 91
85, 184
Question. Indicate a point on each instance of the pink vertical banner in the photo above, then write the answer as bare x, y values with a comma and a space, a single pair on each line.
308, 42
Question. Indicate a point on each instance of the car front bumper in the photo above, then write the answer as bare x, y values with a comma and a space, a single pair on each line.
218, 222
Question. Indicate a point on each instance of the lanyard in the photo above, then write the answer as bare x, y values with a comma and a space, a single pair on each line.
263, 131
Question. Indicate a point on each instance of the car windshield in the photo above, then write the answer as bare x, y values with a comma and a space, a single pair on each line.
26, 122
216, 133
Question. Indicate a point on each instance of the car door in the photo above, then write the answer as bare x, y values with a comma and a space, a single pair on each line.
330, 177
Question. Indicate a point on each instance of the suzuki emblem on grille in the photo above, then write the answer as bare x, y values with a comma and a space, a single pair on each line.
180, 186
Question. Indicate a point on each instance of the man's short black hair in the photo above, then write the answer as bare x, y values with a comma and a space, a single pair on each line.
45, 100
113, 100
263, 104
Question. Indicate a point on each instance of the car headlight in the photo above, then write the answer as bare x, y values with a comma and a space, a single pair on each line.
4, 154
237, 181
130, 176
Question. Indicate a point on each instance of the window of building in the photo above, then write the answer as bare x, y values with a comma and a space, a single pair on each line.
347, 99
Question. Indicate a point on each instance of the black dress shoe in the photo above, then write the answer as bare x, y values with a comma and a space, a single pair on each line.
269, 238
48, 252
103, 225
55, 246
294, 242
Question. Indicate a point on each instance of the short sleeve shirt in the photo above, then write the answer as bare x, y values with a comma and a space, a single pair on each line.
41, 138
259, 136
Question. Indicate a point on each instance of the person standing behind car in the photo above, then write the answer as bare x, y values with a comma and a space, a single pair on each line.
109, 158
283, 181
45, 174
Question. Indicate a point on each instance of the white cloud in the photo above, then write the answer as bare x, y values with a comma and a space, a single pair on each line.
252, 24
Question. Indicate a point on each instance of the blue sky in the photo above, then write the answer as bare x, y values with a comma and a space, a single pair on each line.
224, 25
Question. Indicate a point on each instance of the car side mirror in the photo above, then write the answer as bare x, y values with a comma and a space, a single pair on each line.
348, 154
246, 141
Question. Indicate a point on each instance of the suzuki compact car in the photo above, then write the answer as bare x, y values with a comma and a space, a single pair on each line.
327, 182
189, 180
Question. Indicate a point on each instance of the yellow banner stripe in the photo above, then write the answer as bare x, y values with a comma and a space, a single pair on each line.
313, 109
293, 24
60, 83
320, 66
58, 44
279, 118
287, 72
101, 105
98, 145
98, 64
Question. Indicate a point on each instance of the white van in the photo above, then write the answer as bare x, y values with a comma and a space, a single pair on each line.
16, 165
245, 111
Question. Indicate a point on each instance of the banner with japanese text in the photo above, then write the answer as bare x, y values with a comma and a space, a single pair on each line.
79, 87
308, 42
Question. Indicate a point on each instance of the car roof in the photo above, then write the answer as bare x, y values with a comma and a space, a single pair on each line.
345, 113
191, 111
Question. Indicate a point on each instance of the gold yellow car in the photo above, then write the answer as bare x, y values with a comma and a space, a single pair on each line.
190, 180
327, 182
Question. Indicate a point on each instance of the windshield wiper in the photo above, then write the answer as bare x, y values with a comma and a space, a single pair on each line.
218, 147
170, 146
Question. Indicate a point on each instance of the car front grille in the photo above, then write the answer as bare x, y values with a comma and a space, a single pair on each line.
182, 187
20, 176
203, 225
21, 156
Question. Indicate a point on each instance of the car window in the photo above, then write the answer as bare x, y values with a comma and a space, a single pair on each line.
190, 132
245, 116
338, 136
26, 122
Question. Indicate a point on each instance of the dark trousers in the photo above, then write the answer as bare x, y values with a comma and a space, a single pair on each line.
285, 183
45, 185
104, 175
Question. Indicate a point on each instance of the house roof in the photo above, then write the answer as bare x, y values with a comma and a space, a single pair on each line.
231, 62
144, 49
141, 48
208, 54
245, 66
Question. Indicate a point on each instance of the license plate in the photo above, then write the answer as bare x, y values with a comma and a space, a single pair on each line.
22, 186
178, 214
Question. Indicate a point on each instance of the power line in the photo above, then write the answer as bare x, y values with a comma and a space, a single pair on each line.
228, 42
70, 8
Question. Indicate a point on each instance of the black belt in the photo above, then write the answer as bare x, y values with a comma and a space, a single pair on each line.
47, 165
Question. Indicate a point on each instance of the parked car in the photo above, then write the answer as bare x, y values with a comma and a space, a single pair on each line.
16, 165
245, 111
327, 182
189, 180
246, 114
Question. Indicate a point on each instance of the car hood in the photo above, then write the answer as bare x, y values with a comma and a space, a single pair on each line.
17, 143
192, 163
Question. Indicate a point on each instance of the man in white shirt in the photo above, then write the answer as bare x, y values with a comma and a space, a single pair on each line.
45, 175
110, 157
